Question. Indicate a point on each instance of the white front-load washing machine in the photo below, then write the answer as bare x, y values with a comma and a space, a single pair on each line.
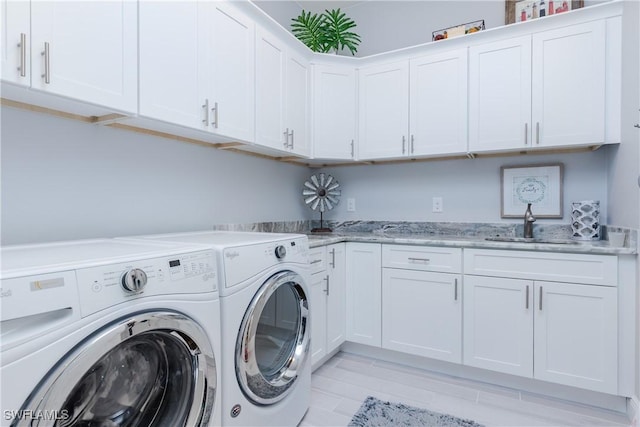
109, 333
264, 302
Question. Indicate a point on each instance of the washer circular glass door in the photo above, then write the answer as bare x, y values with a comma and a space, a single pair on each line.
273, 340
150, 368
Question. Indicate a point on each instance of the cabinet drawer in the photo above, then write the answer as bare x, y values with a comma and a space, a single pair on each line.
424, 258
556, 267
317, 259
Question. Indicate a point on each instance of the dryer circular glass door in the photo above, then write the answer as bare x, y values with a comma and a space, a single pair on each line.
273, 340
148, 369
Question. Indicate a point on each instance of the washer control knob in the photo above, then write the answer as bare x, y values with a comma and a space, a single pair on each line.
134, 280
281, 251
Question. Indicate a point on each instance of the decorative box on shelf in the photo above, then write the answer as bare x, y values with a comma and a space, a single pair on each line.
458, 30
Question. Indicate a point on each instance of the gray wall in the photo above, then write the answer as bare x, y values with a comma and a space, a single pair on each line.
624, 196
470, 188
385, 25
64, 179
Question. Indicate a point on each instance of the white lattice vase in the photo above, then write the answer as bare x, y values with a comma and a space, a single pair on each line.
585, 220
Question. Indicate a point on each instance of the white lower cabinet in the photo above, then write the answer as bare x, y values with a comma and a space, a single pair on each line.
422, 313
498, 324
566, 333
328, 294
364, 293
576, 335
421, 305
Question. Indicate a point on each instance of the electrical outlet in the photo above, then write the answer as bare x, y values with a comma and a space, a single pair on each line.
437, 205
351, 204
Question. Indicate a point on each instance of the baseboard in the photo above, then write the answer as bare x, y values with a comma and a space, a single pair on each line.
633, 411
619, 404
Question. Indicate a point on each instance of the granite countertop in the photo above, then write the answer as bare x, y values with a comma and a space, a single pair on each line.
598, 247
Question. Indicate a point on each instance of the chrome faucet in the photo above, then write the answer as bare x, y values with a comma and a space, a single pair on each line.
529, 219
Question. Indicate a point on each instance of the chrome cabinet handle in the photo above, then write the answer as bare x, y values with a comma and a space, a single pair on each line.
292, 139
403, 142
412, 143
455, 290
214, 110
540, 301
333, 258
23, 55
315, 261
527, 299
537, 133
425, 260
206, 112
526, 134
327, 288
286, 138
352, 155
47, 69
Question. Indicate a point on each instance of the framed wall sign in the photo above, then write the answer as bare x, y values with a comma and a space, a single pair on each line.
540, 185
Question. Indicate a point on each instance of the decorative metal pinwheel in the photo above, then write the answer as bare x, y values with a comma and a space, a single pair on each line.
321, 193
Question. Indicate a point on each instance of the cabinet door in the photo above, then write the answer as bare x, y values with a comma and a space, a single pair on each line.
90, 51
569, 85
334, 112
232, 72
498, 324
500, 95
384, 111
438, 104
422, 313
318, 310
364, 299
336, 296
173, 67
270, 66
15, 42
297, 89
576, 335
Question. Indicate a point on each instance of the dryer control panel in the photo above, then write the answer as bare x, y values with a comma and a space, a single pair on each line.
112, 284
244, 262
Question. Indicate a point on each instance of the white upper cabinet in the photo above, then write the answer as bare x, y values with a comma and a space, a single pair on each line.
438, 104
178, 55
86, 51
232, 72
545, 90
414, 108
208, 55
568, 87
270, 67
15, 42
334, 112
297, 89
500, 95
384, 110
282, 96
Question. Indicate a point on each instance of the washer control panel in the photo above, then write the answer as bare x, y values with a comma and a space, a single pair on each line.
109, 285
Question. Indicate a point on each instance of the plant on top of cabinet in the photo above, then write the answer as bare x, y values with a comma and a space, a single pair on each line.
326, 32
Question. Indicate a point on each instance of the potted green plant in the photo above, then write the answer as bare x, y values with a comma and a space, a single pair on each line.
329, 31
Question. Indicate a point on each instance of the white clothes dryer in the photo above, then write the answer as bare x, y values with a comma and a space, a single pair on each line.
106, 332
264, 299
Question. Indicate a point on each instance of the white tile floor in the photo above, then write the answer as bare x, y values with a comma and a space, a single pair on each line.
340, 386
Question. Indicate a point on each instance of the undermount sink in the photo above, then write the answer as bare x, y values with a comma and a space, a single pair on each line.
531, 240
